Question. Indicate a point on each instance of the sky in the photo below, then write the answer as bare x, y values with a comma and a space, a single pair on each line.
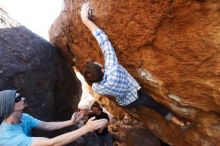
36, 15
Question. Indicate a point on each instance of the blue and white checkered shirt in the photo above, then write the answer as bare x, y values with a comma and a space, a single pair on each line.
117, 82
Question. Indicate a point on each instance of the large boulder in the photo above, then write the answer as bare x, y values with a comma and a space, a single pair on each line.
172, 49
33, 66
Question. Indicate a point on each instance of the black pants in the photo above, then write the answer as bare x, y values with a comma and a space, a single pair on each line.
148, 101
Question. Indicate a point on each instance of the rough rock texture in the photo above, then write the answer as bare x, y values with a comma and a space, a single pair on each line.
133, 134
32, 65
171, 47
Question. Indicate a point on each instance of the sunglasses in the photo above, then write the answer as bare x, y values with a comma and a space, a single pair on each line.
18, 98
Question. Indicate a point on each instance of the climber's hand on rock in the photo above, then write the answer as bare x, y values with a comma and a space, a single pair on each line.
85, 11
86, 14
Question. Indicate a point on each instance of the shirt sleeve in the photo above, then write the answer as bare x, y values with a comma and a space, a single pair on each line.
102, 88
33, 122
106, 47
98, 88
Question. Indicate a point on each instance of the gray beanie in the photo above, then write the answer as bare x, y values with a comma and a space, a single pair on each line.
7, 101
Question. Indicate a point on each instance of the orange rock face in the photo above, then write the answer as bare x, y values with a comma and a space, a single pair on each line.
171, 47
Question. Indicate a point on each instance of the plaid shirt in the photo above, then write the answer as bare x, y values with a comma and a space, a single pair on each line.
117, 82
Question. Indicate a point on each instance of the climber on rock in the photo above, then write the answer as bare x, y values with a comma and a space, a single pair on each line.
15, 130
115, 81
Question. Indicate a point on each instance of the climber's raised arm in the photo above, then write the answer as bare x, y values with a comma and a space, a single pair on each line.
102, 39
85, 17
